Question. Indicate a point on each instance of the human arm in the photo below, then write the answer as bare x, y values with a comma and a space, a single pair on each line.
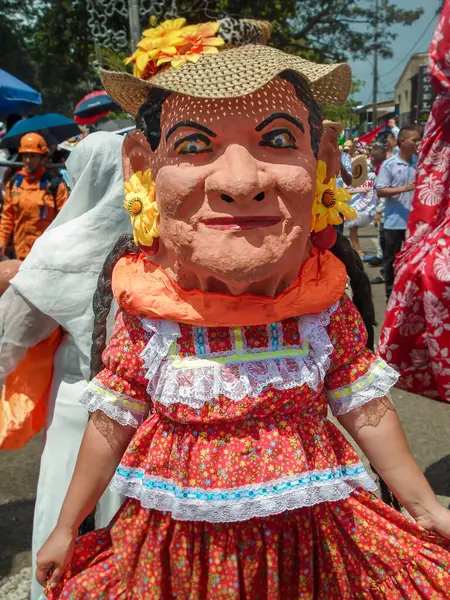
357, 384
389, 192
377, 430
7, 221
118, 399
61, 195
106, 440
385, 179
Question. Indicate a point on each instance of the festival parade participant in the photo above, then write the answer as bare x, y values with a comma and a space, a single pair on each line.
33, 198
416, 332
233, 336
48, 313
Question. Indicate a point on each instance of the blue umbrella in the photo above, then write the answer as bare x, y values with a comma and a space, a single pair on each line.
60, 128
16, 97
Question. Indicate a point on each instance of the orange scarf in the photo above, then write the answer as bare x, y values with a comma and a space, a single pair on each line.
144, 289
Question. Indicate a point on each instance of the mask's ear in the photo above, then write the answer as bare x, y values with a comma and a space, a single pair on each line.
136, 154
329, 151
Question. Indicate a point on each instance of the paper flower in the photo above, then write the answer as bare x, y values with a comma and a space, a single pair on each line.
140, 202
329, 203
199, 39
173, 43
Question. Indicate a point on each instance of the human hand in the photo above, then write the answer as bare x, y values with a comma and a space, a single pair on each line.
411, 186
54, 556
437, 519
377, 218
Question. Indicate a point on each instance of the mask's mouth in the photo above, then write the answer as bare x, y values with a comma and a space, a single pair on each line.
240, 223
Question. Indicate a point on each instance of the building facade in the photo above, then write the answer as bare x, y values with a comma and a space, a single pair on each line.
414, 93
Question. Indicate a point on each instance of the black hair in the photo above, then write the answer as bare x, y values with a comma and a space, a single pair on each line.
103, 299
148, 118
407, 128
359, 282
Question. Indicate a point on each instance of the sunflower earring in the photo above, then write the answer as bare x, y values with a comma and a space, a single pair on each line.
329, 208
140, 202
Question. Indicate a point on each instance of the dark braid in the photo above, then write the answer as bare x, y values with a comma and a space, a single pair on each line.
103, 299
360, 284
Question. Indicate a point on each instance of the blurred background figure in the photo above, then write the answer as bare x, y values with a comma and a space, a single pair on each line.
396, 184
390, 145
33, 198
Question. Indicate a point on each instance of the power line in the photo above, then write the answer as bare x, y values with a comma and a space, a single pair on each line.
412, 49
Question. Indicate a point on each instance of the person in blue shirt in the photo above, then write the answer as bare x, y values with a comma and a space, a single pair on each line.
396, 185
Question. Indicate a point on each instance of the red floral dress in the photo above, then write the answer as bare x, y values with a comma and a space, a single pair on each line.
416, 334
238, 485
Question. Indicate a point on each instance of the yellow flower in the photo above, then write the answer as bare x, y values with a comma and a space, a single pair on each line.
173, 43
140, 202
198, 40
168, 27
329, 203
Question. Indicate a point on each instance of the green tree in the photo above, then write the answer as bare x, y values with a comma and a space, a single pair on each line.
60, 48
344, 114
325, 30
15, 29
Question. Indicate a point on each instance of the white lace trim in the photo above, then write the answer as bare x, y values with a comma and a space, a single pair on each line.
193, 386
121, 408
375, 383
241, 504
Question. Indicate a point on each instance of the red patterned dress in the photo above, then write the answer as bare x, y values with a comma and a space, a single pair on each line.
416, 334
238, 485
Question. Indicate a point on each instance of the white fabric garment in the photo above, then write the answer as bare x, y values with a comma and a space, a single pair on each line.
55, 286
60, 275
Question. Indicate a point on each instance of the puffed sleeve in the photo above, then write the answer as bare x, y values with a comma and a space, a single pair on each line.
356, 375
120, 389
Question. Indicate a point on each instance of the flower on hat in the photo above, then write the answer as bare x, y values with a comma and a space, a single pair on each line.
199, 39
173, 43
329, 203
140, 202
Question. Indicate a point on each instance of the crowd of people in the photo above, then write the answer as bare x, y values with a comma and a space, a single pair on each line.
382, 193
206, 330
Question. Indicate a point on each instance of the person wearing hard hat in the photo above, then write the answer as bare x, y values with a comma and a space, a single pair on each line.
33, 198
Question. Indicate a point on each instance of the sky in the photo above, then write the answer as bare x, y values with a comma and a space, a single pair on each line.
391, 69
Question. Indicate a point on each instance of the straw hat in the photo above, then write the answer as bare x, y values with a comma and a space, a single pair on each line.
242, 67
348, 144
359, 170
338, 127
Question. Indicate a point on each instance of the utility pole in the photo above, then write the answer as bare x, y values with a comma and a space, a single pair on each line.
375, 66
135, 28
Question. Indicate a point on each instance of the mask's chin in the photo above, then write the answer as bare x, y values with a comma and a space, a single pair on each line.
241, 268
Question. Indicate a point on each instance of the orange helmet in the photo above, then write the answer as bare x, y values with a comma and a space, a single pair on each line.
33, 143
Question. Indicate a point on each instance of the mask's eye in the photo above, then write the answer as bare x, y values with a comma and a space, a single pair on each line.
279, 138
196, 143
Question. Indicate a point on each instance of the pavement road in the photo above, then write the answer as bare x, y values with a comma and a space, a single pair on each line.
426, 422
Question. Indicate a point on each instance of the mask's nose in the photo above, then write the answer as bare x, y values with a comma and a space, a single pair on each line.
239, 177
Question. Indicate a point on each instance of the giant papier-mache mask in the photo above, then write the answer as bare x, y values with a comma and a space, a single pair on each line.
221, 171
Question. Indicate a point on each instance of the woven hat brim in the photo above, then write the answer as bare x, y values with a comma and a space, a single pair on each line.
231, 74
